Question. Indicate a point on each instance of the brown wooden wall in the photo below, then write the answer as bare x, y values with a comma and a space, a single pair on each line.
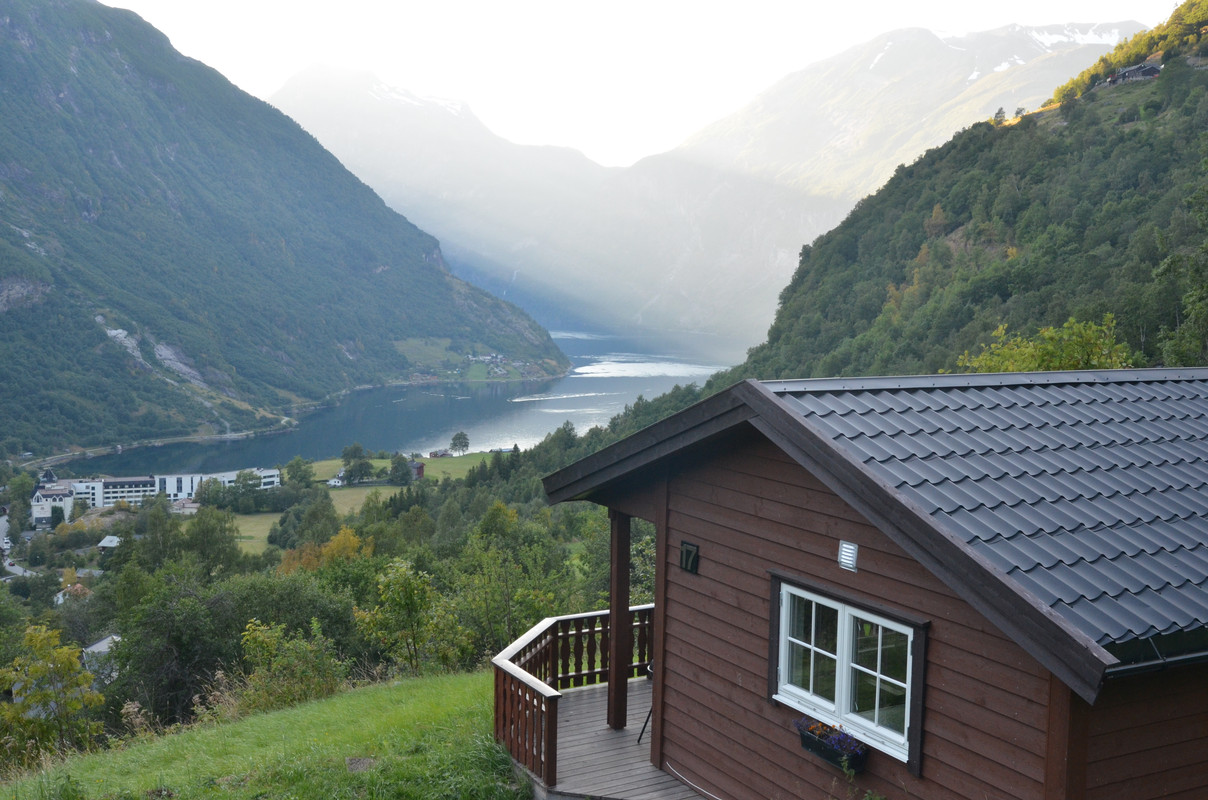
750, 508
1148, 737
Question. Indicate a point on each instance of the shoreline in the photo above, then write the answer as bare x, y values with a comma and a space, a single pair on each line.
284, 424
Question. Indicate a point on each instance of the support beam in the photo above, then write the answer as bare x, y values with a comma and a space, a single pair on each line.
620, 639
1066, 748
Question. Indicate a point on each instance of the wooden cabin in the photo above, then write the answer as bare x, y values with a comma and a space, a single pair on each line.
997, 583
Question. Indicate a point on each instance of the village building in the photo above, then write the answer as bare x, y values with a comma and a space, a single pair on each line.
104, 492
996, 585
51, 492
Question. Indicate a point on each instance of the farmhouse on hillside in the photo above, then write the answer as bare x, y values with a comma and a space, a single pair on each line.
997, 584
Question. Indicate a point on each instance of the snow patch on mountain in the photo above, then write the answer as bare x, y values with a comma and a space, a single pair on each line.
391, 94
1072, 34
879, 56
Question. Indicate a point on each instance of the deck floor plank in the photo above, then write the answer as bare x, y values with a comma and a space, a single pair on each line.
597, 762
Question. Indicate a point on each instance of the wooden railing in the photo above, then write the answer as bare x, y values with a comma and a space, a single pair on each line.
556, 653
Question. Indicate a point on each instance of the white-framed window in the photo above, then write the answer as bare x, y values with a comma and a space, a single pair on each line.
845, 665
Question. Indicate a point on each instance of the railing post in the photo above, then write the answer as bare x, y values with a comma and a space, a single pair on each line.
551, 740
526, 707
620, 622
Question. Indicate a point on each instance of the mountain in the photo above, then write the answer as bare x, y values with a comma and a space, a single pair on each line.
177, 256
695, 244
1096, 207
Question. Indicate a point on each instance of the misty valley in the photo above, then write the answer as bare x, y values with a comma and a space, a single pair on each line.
854, 446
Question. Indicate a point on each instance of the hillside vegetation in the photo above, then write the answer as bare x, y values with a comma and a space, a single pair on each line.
1089, 209
177, 256
418, 738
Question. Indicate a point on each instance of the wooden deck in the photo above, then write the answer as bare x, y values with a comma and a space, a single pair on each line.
597, 762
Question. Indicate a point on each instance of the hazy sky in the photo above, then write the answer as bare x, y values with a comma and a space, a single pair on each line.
616, 79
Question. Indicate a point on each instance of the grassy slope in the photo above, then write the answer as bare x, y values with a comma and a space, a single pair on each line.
429, 738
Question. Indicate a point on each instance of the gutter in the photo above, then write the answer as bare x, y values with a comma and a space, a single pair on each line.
1155, 665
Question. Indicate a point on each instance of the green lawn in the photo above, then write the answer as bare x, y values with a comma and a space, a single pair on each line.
424, 738
349, 499
253, 531
454, 466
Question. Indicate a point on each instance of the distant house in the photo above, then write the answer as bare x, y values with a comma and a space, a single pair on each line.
1136, 72
997, 583
186, 508
335, 482
98, 661
108, 543
443, 453
45, 498
77, 591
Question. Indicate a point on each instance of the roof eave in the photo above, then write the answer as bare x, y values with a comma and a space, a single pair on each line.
705, 419
1061, 648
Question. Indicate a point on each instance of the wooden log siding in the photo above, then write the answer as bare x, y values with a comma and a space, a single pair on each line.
556, 653
1145, 744
750, 508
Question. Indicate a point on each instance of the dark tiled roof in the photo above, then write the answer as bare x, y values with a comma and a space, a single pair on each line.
1069, 508
1088, 490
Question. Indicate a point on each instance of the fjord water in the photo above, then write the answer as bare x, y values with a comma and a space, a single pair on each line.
608, 374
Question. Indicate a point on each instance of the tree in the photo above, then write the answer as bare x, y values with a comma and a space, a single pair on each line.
12, 625
300, 472
402, 620
210, 492
51, 691
1075, 345
1000, 116
460, 443
344, 546
244, 491
20, 489
400, 470
1186, 345
351, 453
320, 521
161, 538
287, 669
213, 537
358, 470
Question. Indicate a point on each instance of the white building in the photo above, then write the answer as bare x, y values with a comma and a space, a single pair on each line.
46, 498
105, 492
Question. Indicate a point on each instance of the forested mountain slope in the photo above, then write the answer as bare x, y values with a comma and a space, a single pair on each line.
1091, 208
176, 255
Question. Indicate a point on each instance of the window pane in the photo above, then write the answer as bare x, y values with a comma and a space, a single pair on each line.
893, 708
798, 666
824, 676
799, 618
864, 695
865, 636
826, 628
895, 650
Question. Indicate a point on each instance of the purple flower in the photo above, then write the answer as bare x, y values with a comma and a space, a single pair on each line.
832, 735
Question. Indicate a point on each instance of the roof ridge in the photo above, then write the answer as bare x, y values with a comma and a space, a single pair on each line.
988, 379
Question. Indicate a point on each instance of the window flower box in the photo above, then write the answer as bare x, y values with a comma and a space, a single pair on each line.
832, 744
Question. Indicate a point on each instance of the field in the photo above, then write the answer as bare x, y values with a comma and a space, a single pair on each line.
254, 528
417, 738
253, 531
